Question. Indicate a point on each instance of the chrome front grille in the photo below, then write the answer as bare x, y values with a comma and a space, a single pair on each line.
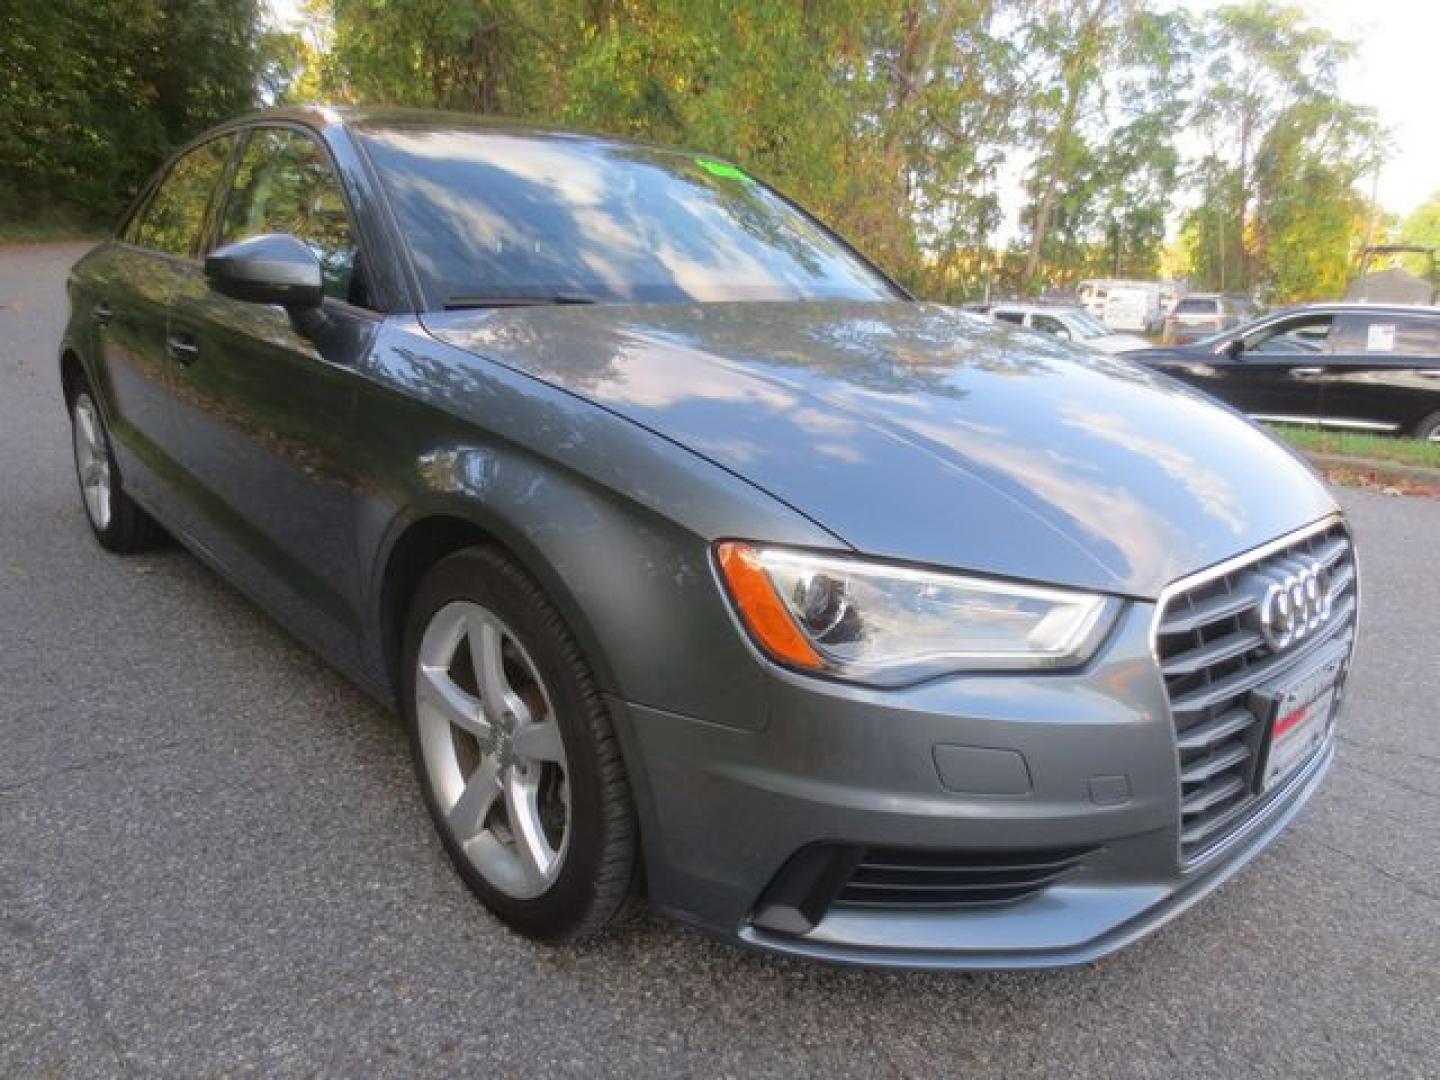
1216, 648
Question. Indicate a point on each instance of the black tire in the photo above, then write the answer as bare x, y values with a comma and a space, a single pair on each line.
599, 879
1429, 428
123, 527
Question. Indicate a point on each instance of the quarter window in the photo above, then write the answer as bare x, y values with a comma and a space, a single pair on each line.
284, 184
174, 219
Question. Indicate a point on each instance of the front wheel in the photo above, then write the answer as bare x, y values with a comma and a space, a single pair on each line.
515, 752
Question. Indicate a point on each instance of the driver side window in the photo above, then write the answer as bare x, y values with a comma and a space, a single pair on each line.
284, 184
1290, 337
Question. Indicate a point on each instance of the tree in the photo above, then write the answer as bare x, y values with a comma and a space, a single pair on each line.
1104, 180
98, 91
1285, 153
1422, 228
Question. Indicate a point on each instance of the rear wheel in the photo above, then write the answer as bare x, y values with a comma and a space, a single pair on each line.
1429, 428
515, 752
117, 522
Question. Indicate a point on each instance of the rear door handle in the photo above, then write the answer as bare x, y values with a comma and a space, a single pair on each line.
1308, 371
182, 349
101, 313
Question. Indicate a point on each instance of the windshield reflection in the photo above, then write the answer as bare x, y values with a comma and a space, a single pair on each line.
495, 214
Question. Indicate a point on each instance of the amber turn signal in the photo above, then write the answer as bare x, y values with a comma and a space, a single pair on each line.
761, 608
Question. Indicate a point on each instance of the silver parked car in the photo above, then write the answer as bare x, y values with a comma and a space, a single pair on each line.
1202, 315
1072, 324
704, 565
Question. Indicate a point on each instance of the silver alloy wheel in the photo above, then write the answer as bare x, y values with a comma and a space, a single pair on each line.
92, 461
492, 749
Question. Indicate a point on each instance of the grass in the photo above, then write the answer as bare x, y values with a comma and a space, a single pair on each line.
1360, 444
44, 231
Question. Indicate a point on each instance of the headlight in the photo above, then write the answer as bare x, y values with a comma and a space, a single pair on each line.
889, 625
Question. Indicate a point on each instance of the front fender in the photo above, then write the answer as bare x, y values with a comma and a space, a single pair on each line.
613, 521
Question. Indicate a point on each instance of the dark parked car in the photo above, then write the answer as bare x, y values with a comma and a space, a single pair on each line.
1201, 315
1368, 367
701, 562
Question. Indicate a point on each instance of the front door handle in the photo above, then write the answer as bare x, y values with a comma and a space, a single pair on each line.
1308, 371
101, 313
182, 349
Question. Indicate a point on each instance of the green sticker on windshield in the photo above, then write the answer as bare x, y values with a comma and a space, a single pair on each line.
719, 168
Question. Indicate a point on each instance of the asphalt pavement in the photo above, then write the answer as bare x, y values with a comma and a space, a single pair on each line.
213, 860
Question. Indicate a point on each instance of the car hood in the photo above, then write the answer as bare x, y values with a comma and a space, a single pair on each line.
921, 433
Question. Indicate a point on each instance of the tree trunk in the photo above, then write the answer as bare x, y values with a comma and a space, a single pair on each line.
1078, 76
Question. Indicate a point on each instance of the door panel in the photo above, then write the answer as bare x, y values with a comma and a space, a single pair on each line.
264, 425
1278, 384
1257, 384
1385, 371
127, 292
1279, 373
130, 285
264, 401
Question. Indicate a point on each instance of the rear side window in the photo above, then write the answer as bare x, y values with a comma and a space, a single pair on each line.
174, 219
1049, 325
284, 184
1386, 335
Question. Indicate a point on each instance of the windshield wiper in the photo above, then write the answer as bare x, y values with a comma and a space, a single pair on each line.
457, 303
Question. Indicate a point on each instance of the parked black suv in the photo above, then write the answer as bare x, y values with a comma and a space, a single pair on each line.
1365, 366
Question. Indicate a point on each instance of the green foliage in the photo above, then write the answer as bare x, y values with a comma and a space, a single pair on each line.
96, 92
1422, 228
1108, 165
898, 120
1278, 209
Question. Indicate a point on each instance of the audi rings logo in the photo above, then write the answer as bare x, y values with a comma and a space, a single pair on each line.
1295, 606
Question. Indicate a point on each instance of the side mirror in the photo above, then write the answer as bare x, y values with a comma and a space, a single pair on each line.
1233, 349
1064, 334
276, 268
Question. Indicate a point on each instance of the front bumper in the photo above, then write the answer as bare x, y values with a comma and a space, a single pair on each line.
723, 811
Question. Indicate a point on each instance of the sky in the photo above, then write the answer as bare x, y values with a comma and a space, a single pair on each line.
1394, 72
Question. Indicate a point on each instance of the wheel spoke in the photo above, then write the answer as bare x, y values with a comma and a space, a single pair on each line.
518, 849
438, 692
467, 816
87, 429
531, 848
487, 655
540, 742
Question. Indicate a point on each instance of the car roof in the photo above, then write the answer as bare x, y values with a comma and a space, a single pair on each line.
1355, 307
396, 118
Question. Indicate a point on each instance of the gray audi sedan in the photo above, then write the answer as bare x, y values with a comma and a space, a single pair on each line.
706, 567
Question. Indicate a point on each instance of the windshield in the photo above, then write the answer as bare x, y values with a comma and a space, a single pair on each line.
494, 215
